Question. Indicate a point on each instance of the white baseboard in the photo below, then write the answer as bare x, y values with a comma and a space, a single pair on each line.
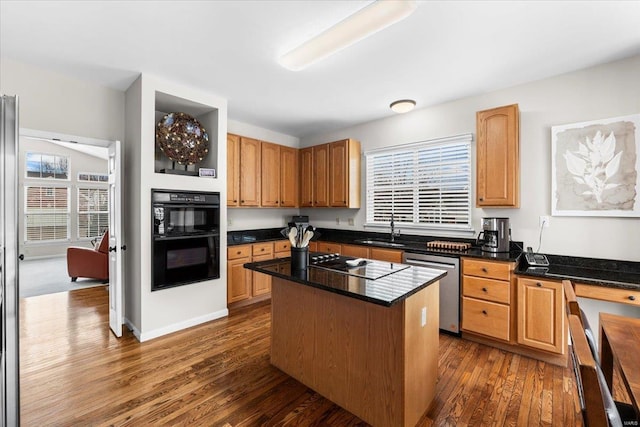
146, 336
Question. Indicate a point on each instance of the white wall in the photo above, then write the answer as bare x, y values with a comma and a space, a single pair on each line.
56, 103
254, 218
605, 91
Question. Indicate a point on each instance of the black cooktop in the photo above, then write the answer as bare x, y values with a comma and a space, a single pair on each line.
368, 269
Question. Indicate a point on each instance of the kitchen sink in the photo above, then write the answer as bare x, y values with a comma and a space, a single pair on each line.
381, 243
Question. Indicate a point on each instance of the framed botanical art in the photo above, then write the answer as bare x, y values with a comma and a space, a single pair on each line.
595, 167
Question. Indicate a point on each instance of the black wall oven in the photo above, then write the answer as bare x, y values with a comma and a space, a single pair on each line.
186, 237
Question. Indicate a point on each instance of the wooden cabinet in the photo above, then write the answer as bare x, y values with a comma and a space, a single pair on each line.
622, 296
541, 317
306, 177
344, 174
233, 169
328, 247
282, 248
355, 251
497, 157
320, 175
238, 277
487, 291
289, 177
330, 175
380, 254
261, 282
270, 179
246, 286
250, 171
261, 173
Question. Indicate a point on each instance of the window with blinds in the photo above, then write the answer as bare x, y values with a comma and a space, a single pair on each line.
422, 185
46, 213
93, 212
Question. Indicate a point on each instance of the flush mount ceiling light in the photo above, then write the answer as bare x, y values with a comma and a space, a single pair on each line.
365, 22
403, 105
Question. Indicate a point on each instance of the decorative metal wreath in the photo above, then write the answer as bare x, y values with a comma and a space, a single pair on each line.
182, 139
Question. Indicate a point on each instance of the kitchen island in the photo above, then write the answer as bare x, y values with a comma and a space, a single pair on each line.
365, 338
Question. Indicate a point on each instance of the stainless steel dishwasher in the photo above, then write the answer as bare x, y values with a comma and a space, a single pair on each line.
449, 287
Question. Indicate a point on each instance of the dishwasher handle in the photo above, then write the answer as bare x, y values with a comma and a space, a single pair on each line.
429, 264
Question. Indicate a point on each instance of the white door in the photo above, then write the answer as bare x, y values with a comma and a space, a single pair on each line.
116, 245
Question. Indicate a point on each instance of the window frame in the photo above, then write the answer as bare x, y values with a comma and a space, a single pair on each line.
431, 146
26, 214
79, 188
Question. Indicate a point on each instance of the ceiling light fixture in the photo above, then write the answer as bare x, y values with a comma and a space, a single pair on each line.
403, 105
365, 22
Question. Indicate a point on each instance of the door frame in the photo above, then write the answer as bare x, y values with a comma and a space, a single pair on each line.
116, 281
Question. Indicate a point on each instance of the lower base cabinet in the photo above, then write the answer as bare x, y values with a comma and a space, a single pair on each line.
541, 319
246, 286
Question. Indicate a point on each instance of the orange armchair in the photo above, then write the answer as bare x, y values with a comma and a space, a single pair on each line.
91, 263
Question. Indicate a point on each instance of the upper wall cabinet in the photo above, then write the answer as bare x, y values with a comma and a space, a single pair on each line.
498, 158
261, 174
330, 175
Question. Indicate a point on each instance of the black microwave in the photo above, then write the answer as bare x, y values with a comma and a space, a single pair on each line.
185, 213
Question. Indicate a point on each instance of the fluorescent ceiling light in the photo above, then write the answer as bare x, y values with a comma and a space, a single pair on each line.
365, 22
403, 105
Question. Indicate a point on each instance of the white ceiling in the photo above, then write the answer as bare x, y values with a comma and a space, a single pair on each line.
444, 51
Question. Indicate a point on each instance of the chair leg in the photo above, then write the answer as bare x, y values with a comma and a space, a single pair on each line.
73, 279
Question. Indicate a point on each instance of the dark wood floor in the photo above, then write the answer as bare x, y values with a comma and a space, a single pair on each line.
74, 372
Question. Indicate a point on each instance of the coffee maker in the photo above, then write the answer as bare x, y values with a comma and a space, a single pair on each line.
495, 235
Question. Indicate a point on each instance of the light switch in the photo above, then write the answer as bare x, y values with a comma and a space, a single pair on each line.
423, 320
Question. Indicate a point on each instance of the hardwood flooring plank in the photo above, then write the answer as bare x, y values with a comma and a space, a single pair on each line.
75, 372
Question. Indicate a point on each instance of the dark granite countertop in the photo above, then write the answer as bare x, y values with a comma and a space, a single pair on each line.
590, 271
394, 282
408, 242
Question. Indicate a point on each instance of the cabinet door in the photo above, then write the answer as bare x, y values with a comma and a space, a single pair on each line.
289, 177
261, 281
390, 255
320, 177
338, 173
355, 251
540, 315
306, 177
233, 169
498, 168
238, 280
250, 166
270, 191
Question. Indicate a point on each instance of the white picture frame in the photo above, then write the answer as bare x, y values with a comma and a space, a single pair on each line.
595, 168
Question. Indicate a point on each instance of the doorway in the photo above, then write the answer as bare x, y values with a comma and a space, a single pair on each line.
69, 194
62, 203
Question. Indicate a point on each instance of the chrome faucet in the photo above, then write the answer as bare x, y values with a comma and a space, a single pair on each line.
393, 229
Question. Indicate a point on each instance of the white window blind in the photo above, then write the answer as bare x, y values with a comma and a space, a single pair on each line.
46, 213
425, 184
93, 212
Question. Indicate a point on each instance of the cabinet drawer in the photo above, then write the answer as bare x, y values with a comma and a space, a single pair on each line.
487, 289
235, 252
486, 318
282, 246
355, 251
262, 249
331, 248
624, 296
488, 269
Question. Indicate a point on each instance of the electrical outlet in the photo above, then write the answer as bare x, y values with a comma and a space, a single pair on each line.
423, 319
544, 219
337, 221
351, 221
229, 221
